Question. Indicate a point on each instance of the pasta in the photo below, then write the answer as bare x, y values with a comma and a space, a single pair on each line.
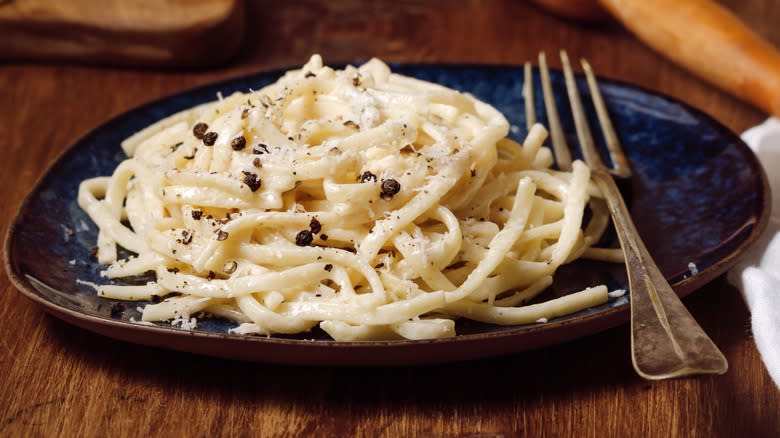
370, 204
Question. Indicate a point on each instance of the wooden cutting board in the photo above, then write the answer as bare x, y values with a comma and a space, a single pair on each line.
137, 33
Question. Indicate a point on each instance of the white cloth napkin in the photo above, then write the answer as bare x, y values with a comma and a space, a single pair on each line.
758, 273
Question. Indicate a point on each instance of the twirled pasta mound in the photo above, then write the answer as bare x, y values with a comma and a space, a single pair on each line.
372, 204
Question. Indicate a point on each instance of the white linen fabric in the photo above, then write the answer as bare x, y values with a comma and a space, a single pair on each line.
757, 275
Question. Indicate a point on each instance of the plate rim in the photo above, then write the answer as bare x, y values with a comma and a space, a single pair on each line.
137, 333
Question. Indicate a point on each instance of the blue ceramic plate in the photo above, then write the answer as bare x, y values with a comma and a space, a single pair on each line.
698, 197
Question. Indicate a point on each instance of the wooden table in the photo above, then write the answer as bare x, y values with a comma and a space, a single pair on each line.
59, 380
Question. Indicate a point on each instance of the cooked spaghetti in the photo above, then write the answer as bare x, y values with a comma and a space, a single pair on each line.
372, 204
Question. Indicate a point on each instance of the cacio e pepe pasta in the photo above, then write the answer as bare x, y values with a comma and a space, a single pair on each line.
370, 204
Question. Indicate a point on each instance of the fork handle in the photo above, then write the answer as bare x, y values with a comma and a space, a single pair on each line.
666, 341
710, 41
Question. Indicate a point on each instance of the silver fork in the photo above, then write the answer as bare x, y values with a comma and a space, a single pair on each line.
666, 341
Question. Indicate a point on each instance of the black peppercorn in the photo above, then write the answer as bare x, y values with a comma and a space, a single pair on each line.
199, 130
315, 225
210, 138
367, 176
252, 180
389, 189
238, 143
304, 238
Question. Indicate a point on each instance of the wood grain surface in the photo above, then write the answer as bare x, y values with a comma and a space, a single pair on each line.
56, 380
133, 33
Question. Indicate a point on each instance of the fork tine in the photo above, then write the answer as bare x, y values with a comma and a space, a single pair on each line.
561, 149
620, 167
584, 135
528, 96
